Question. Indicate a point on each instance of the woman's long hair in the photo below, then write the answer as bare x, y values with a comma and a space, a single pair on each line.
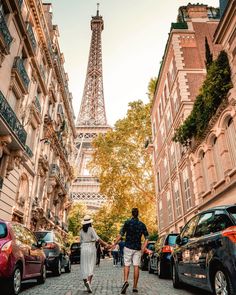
86, 227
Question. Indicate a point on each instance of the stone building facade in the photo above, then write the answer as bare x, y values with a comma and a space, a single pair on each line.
214, 157
180, 77
36, 118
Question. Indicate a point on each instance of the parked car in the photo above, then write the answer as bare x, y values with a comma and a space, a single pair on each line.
160, 259
21, 257
205, 252
146, 253
56, 252
75, 252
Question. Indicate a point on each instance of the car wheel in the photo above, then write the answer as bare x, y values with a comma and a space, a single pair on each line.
68, 267
175, 278
14, 285
222, 284
42, 278
57, 270
150, 270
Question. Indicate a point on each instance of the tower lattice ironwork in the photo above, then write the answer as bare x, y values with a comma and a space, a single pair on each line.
91, 121
92, 110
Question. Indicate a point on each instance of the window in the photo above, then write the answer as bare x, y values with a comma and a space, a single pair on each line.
168, 119
231, 140
160, 110
204, 224
172, 157
169, 207
189, 228
217, 157
154, 128
176, 102
177, 199
13, 101
232, 212
165, 170
221, 221
3, 230
204, 171
171, 240
31, 137
158, 182
187, 191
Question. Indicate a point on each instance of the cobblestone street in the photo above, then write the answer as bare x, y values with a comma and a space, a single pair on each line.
107, 281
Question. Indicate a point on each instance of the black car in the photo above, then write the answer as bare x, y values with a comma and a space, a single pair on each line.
147, 251
75, 252
160, 260
56, 252
205, 252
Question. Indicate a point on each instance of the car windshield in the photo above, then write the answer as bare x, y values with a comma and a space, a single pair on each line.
44, 236
75, 246
172, 240
232, 212
3, 230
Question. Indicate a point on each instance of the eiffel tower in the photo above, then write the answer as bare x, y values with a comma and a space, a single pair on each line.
91, 121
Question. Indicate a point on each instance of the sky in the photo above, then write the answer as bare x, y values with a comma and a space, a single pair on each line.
133, 42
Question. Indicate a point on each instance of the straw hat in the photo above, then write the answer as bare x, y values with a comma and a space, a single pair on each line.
87, 219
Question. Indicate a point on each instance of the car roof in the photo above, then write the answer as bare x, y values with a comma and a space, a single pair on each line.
221, 207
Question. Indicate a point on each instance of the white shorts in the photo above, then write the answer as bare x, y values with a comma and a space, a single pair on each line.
132, 257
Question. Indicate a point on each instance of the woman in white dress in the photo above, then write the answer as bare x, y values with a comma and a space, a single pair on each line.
88, 238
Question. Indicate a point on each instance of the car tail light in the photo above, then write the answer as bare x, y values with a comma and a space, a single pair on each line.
166, 249
49, 246
230, 232
7, 248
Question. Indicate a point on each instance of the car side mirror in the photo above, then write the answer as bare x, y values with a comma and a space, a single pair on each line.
41, 244
178, 240
184, 240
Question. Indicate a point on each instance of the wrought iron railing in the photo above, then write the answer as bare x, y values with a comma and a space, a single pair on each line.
6, 36
49, 214
31, 36
28, 151
37, 104
20, 68
8, 115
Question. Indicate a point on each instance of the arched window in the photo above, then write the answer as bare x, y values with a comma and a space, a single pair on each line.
204, 170
217, 158
230, 135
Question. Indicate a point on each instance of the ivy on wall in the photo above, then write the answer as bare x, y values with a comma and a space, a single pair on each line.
212, 93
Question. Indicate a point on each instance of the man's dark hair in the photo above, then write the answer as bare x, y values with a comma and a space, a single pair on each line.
135, 212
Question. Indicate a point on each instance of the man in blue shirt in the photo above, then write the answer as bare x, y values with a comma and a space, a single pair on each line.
133, 229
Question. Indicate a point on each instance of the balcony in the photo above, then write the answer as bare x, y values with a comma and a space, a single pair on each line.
9, 118
21, 75
28, 151
31, 36
5, 36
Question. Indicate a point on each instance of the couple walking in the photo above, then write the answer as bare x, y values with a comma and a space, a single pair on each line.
133, 229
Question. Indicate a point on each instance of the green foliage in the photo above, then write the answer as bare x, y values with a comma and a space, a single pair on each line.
151, 88
153, 236
124, 168
75, 217
213, 91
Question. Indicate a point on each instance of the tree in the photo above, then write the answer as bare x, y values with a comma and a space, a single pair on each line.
124, 166
152, 88
75, 217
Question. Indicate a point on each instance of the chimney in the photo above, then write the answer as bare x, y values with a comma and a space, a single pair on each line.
197, 11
